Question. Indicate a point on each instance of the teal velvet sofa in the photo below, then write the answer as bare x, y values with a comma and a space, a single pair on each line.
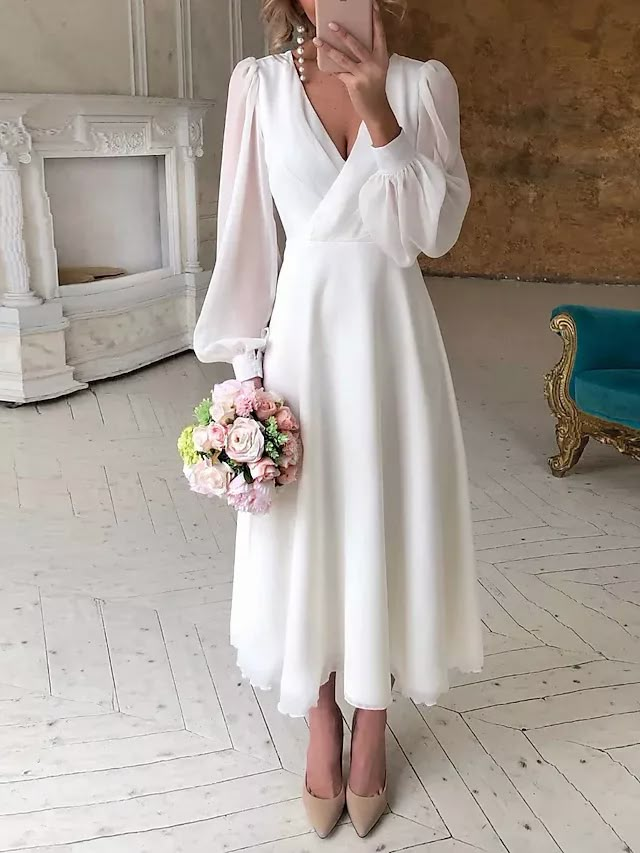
594, 390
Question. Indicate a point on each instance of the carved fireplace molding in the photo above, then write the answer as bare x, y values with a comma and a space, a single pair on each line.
53, 340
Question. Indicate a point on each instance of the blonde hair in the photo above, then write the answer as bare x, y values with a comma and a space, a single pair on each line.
281, 17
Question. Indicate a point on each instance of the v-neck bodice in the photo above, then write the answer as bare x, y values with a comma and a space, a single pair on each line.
313, 120
314, 188
380, 206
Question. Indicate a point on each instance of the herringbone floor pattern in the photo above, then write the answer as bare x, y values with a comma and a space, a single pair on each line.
124, 724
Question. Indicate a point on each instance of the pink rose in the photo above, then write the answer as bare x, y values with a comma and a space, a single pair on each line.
288, 475
217, 436
208, 478
266, 404
264, 469
245, 441
201, 439
291, 451
286, 420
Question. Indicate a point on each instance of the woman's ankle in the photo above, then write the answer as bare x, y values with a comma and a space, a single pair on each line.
368, 757
324, 754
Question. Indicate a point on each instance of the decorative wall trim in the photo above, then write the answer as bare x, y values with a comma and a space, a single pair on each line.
185, 50
138, 35
236, 40
119, 140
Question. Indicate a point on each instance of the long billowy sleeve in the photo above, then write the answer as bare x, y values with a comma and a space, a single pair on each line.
236, 310
417, 199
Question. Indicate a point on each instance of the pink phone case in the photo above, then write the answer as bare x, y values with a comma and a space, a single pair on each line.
356, 16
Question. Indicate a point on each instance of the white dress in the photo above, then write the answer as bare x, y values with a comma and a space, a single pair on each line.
365, 566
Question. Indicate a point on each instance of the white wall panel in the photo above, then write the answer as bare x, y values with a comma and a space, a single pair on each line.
65, 46
162, 47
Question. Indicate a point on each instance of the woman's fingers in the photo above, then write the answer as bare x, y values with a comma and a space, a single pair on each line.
341, 59
350, 42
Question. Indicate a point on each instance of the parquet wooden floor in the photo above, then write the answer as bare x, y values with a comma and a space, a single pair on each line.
124, 724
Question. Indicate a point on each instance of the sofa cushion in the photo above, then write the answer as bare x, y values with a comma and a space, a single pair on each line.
613, 395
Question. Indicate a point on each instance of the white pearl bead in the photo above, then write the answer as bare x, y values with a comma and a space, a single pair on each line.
300, 28
300, 40
303, 78
301, 60
300, 51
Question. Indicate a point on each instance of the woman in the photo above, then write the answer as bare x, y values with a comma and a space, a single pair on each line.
365, 566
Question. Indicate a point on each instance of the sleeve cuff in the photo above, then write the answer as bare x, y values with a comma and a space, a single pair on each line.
395, 155
247, 365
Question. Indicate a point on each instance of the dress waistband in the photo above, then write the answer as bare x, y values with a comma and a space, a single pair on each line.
306, 242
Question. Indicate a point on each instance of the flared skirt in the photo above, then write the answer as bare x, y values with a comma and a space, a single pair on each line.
365, 566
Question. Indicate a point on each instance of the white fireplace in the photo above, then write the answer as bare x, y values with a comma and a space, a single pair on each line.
108, 211
106, 183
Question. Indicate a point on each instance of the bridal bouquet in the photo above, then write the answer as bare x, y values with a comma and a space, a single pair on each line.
245, 443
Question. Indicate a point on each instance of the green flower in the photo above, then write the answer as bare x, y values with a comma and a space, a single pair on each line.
271, 427
271, 450
201, 412
186, 447
273, 433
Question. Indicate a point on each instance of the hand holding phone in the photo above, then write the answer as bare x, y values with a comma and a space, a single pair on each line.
355, 16
363, 70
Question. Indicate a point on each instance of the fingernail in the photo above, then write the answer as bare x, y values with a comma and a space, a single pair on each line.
317, 42
333, 26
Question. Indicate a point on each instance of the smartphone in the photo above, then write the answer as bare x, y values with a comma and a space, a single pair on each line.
355, 16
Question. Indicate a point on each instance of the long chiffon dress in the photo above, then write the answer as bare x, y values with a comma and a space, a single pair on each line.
365, 566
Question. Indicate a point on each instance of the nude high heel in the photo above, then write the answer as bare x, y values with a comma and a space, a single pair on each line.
323, 814
365, 812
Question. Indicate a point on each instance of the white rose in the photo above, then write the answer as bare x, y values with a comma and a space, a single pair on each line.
202, 439
245, 441
211, 478
223, 399
222, 412
226, 392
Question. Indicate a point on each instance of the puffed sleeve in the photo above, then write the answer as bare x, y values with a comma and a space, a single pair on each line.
236, 310
417, 199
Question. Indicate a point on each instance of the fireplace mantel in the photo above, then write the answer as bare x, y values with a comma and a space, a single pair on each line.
53, 339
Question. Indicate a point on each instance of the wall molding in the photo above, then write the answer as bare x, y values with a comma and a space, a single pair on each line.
185, 49
138, 39
236, 40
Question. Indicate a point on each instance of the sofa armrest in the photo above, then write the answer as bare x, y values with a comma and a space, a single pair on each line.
606, 338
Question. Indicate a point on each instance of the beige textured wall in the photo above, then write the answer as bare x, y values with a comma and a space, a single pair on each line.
550, 97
